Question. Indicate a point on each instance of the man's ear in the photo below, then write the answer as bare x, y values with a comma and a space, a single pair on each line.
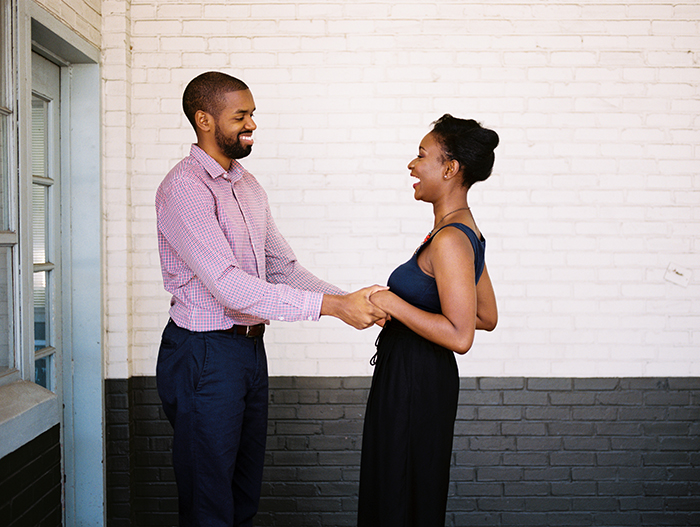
203, 121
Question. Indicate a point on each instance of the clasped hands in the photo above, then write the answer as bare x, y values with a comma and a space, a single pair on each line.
355, 309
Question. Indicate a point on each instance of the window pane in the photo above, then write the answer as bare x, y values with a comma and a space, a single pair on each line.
4, 176
41, 312
5, 34
39, 221
6, 310
44, 372
39, 142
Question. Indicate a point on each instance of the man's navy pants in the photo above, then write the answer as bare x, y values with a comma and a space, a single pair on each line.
214, 388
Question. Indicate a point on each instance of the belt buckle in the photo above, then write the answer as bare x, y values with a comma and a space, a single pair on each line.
247, 330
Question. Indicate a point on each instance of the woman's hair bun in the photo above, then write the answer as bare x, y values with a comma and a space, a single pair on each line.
470, 144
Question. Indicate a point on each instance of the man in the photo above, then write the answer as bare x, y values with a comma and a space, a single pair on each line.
229, 271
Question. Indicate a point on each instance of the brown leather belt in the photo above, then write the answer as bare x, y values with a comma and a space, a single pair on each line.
247, 331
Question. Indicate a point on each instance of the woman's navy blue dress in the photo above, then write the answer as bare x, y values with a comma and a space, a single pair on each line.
411, 410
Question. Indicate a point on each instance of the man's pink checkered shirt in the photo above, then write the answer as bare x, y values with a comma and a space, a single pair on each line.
222, 257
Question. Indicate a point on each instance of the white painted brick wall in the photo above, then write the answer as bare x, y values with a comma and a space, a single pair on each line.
118, 167
596, 188
82, 16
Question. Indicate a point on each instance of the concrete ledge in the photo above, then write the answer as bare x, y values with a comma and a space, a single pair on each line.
26, 411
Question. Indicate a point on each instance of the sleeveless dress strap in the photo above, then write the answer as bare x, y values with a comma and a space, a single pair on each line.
473, 238
478, 245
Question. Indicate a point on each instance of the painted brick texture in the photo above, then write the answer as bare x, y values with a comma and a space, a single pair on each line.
82, 16
595, 191
30, 483
527, 451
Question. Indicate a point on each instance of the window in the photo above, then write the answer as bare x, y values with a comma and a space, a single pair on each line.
50, 248
8, 200
45, 218
29, 234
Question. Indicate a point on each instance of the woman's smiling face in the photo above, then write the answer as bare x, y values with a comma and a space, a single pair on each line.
429, 167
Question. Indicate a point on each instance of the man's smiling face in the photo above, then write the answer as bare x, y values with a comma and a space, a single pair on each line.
234, 125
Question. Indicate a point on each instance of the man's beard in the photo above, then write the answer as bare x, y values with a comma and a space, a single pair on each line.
231, 146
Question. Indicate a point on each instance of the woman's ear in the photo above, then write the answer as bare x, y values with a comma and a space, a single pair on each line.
451, 168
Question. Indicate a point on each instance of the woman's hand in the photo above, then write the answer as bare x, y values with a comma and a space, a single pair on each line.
355, 309
379, 298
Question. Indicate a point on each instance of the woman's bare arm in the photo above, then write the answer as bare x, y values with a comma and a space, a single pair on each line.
450, 259
486, 309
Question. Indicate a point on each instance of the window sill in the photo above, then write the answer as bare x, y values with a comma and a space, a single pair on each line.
26, 410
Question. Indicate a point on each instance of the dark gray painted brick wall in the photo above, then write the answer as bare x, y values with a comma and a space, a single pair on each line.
528, 451
141, 487
30, 483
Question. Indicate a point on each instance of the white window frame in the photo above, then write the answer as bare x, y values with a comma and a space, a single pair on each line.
27, 410
10, 238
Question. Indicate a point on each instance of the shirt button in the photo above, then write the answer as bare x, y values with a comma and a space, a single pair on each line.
282, 319
310, 318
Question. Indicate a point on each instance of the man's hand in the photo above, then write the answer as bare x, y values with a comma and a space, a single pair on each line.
355, 308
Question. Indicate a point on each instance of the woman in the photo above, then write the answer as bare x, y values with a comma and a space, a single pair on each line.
435, 302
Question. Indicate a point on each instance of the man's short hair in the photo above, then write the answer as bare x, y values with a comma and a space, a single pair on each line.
206, 92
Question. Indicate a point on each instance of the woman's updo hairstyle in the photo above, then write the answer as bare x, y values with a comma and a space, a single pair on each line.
468, 143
